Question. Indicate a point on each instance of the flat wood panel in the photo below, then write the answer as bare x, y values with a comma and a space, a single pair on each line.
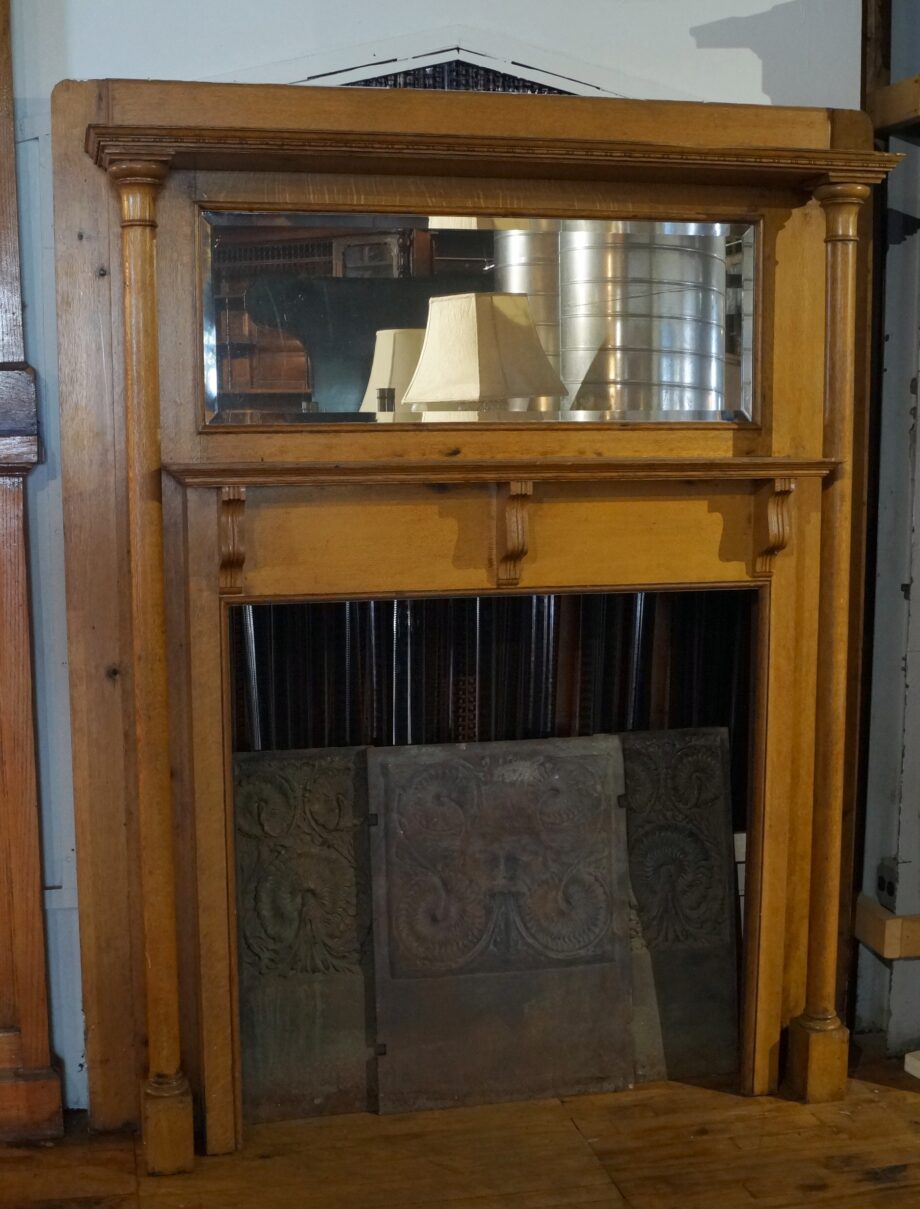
283, 108
650, 534
199, 673
30, 1093
366, 541
779, 831
23, 999
793, 333
377, 540
97, 619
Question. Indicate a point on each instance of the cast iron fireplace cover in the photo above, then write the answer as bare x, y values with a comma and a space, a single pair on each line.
501, 922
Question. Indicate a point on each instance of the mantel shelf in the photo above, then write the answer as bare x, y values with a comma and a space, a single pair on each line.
560, 470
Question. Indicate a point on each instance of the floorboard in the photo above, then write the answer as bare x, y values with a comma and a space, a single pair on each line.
661, 1146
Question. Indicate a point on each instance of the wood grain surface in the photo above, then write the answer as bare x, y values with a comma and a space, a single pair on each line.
30, 1092
662, 1146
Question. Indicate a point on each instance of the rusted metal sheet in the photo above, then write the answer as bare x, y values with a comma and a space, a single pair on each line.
304, 928
502, 961
684, 909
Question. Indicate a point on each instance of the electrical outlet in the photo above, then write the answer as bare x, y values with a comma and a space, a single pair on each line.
886, 883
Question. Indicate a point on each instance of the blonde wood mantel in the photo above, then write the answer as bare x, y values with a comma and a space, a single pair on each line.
183, 522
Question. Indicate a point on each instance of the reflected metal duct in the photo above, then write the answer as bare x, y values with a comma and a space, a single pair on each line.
251, 678
643, 319
527, 262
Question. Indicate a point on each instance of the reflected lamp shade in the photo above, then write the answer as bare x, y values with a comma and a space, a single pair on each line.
396, 354
480, 350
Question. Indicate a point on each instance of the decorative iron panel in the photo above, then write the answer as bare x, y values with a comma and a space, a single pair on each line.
304, 922
500, 921
684, 932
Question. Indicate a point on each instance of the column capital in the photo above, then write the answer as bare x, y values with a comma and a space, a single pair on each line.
137, 182
134, 171
841, 201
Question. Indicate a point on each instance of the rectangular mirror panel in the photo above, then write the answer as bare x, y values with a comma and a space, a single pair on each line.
384, 318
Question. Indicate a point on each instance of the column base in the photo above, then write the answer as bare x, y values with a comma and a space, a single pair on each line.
168, 1126
817, 1063
30, 1105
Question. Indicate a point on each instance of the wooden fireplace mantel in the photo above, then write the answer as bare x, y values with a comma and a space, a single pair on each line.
170, 523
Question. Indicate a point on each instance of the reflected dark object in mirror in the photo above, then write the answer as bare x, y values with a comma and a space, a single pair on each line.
337, 319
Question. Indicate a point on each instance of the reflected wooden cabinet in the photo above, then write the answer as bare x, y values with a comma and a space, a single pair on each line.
189, 511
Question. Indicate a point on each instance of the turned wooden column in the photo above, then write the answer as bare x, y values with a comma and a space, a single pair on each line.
818, 1039
167, 1105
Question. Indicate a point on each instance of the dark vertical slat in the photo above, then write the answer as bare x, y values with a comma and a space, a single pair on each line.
659, 672
499, 668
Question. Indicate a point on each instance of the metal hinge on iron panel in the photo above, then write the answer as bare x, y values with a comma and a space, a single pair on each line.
513, 530
232, 550
776, 526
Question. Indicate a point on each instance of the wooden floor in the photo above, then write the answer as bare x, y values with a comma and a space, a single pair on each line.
663, 1146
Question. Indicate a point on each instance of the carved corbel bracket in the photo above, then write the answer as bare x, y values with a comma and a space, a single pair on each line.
776, 525
232, 549
513, 530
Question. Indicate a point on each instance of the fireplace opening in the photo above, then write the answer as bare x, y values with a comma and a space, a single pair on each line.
487, 848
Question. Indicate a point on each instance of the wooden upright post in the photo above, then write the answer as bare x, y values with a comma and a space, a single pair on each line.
167, 1102
30, 1091
818, 1038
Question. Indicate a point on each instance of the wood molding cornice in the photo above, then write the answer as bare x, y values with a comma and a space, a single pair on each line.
320, 150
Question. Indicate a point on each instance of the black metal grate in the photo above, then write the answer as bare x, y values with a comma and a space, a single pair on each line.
457, 75
280, 254
492, 668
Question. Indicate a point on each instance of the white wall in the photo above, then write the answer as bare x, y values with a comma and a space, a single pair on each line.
801, 52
